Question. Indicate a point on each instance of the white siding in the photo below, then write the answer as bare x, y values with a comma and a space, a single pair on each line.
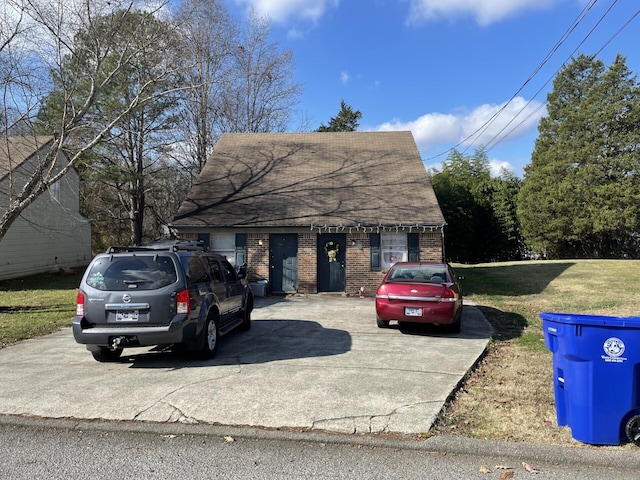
49, 235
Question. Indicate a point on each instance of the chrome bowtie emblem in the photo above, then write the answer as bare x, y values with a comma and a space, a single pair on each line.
126, 298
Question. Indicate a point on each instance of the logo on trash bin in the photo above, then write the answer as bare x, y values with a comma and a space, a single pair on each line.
614, 348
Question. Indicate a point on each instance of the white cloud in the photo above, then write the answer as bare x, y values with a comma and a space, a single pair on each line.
484, 12
344, 77
295, 34
497, 166
486, 125
428, 130
282, 11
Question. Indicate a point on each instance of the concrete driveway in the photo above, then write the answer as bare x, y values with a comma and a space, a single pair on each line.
314, 362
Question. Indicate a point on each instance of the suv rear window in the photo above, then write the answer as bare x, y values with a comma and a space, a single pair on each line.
139, 272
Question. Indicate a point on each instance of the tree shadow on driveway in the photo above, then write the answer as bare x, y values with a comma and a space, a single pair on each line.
267, 341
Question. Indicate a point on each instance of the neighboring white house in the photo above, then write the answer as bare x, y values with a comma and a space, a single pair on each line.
51, 233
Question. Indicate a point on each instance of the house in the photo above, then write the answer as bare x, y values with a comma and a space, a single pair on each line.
315, 212
50, 234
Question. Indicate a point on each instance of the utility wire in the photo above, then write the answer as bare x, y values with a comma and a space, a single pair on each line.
553, 51
495, 140
558, 44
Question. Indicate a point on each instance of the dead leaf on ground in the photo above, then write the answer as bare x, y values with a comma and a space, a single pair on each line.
529, 468
506, 475
229, 439
484, 469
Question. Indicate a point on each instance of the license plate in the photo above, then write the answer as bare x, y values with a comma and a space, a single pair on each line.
127, 316
412, 312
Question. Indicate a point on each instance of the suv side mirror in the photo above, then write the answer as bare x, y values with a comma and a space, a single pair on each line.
242, 271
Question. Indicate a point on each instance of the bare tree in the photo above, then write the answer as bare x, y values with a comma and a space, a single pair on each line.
208, 37
262, 94
20, 80
46, 35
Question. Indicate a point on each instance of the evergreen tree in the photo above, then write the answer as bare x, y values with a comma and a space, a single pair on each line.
118, 171
346, 120
479, 210
579, 196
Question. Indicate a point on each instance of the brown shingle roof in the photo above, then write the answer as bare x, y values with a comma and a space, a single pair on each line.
302, 179
15, 150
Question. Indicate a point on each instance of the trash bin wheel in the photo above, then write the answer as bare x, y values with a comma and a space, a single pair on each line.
633, 429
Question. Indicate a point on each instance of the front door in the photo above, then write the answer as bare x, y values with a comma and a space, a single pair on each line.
284, 262
331, 255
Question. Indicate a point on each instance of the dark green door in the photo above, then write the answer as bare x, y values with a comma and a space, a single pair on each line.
284, 262
331, 255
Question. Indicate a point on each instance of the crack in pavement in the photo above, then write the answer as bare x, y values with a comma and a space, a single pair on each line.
164, 400
378, 423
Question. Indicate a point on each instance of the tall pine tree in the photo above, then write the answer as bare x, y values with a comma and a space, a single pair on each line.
580, 195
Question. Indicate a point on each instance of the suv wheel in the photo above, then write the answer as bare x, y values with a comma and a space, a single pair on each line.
105, 354
246, 315
210, 340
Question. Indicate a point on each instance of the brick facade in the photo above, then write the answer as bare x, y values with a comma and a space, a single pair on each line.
357, 259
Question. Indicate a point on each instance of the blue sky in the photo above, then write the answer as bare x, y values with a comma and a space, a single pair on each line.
444, 68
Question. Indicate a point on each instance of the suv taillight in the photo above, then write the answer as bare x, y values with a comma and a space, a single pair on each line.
80, 304
183, 303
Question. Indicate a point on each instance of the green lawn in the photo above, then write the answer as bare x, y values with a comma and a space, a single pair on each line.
34, 306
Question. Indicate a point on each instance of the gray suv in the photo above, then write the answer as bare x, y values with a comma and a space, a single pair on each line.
166, 294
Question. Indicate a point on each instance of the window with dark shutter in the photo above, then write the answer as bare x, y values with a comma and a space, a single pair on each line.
241, 249
205, 239
413, 245
374, 243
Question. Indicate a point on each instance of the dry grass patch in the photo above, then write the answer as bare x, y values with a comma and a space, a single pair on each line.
509, 396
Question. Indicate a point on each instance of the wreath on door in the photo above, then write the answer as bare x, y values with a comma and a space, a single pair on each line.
332, 249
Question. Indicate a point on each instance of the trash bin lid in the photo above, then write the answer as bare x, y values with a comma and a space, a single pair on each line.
595, 320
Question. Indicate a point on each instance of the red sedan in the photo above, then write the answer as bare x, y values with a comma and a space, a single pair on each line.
415, 292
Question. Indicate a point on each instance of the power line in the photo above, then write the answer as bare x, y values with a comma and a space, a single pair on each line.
495, 140
553, 51
559, 43
498, 137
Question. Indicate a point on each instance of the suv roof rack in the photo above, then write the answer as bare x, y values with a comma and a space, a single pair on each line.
184, 245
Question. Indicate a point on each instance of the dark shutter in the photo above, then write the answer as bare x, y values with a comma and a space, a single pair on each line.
374, 243
241, 249
204, 238
413, 245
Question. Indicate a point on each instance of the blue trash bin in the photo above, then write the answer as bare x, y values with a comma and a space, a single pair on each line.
596, 375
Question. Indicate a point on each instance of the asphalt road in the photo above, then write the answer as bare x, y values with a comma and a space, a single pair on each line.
85, 450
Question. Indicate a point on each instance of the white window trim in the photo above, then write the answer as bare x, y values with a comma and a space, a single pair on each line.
393, 248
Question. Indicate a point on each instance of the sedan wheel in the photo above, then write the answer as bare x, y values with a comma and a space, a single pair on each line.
382, 323
456, 326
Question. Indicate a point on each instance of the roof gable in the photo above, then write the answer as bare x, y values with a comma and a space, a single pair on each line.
344, 179
15, 150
